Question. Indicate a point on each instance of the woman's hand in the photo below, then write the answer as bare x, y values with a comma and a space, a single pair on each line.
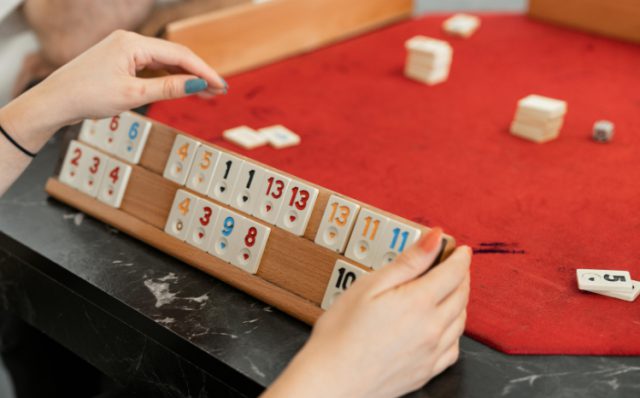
390, 333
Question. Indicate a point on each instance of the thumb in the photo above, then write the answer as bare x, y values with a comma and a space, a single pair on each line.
171, 87
409, 265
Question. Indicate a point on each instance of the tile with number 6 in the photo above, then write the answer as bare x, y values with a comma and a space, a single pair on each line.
224, 177
247, 187
204, 219
181, 215
337, 223
366, 235
134, 131
226, 236
297, 207
91, 171
180, 159
114, 183
202, 169
396, 238
271, 196
342, 277
110, 134
70, 172
254, 237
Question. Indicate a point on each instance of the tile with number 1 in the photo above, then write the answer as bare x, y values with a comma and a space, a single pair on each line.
253, 240
366, 236
201, 230
114, 183
224, 177
204, 165
337, 223
297, 207
181, 214
342, 277
182, 154
247, 187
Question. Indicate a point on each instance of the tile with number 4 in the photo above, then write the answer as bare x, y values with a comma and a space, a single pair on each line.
366, 236
182, 154
595, 280
247, 187
201, 230
224, 177
70, 172
271, 196
254, 237
181, 215
337, 223
396, 238
226, 235
202, 169
91, 171
297, 207
114, 183
134, 131
342, 277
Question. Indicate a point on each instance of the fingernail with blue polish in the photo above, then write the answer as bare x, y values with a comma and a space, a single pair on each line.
195, 86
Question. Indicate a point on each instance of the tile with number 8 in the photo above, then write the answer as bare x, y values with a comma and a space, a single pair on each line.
91, 171
342, 277
134, 131
181, 215
254, 237
202, 169
182, 154
271, 196
297, 207
224, 177
337, 223
226, 236
70, 172
247, 187
114, 183
396, 238
201, 230
366, 236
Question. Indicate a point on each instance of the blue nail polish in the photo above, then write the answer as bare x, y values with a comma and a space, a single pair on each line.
195, 85
226, 85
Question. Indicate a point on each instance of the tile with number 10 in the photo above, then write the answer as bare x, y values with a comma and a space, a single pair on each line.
342, 277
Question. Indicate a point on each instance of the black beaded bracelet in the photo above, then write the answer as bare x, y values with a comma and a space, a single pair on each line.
20, 147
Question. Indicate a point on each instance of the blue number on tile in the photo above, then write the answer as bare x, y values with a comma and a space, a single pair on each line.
394, 241
228, 226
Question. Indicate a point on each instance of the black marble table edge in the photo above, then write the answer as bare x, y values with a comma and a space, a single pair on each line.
480, 372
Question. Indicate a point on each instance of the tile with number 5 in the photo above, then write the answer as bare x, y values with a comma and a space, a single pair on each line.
182, 154
181, 215
134, 131
70, 172
114, 183
226, 235
366, 236
337, 223
297, 207
224, 177
396, 238
271, 196
342, 277
91, 171
253, 240
202, 169
204, 219
247, 187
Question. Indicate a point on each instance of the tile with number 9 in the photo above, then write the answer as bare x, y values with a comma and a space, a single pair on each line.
182, 154
342, 277
253, 239
396, 238
271, 196
297, 207
134, 131
224, 177
202, 169
181, 215
337, 223
226, 236
366, 235
114, 183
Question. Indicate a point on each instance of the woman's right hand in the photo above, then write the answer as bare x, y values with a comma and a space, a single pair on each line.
390, 333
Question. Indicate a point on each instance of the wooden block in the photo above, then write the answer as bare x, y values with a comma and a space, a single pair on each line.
462, 25
277, 29
618, 19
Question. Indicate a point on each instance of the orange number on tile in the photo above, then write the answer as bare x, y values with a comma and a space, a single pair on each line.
183, 151
184, 206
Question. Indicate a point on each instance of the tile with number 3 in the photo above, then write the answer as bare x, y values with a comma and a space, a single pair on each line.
91, 171
114, 183
297, 207
181, 215
201, 229
202, 169
396, 238
182, 154
271, 197
342, 277
337, 223
366, 235
254, 237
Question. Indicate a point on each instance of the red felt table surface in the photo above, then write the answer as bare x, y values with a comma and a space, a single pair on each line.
443, 156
